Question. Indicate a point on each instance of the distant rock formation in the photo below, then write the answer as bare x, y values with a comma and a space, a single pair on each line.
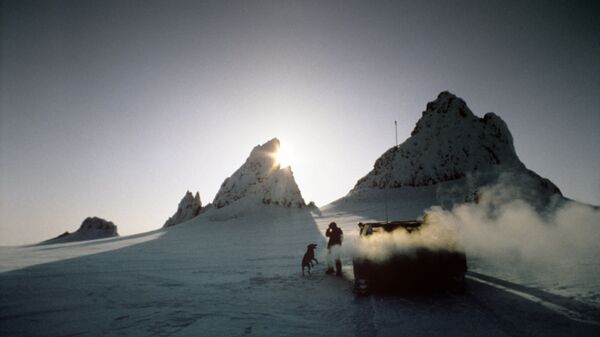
261, 180
189, 207
91, 228
449, 143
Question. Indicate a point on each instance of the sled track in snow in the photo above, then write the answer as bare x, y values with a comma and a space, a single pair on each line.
566, 307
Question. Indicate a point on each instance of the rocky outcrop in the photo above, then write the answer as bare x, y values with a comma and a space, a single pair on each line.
91, 228
449, 143
261, 180
189, 207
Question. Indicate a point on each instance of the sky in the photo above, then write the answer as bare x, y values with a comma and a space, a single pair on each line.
116, 108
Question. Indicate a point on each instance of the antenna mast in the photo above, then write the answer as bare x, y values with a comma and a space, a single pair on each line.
387, 188
396, 127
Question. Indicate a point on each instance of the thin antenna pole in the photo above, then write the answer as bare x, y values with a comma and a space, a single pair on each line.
396, 127
387, 188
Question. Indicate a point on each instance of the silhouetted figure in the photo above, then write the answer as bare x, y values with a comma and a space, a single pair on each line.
335, 235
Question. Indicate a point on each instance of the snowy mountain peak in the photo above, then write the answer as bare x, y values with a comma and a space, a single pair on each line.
190, 198
266, 152
449, 117
261, 180
263, 158
448, 103
189, 207
448, 142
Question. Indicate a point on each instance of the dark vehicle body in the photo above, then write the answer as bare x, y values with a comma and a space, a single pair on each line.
419, 269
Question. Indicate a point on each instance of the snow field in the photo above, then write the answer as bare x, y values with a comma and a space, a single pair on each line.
242, 277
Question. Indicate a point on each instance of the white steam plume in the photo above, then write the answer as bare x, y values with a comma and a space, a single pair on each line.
434, 235
510, 237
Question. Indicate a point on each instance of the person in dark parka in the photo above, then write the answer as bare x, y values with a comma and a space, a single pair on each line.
335, 235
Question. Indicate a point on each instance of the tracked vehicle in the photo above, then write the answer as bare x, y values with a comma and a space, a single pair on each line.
418, 268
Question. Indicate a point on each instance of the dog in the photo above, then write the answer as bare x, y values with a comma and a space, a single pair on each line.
309, 257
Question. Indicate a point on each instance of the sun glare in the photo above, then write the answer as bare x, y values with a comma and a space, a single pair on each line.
283, 157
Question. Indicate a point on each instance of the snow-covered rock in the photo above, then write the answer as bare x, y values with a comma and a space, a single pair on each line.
91, 228
189, 207
261, 180
450, 143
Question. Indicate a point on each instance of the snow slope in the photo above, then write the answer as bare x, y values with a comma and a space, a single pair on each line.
220, 276
189, 207
234, 269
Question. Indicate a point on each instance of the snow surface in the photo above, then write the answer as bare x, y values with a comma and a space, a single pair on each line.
235, 268
261, 180
218, 275
189, 207
15, 258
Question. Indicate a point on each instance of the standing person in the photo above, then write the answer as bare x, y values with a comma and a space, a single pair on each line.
335, 235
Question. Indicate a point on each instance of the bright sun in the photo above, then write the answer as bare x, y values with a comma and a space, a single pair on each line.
283, 157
